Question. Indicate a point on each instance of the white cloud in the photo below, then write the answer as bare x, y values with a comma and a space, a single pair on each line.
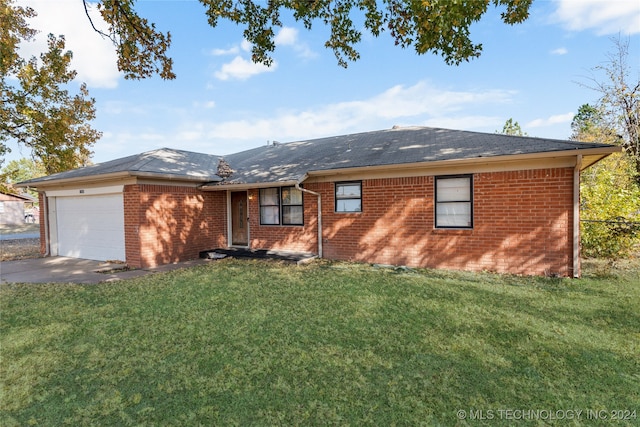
287, 36
94, 57
221, 52
559, 51
246, 45
602, 16
420, 104
241, 69
398, 104
550, 121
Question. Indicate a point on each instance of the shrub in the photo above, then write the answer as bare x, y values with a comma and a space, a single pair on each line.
610, 226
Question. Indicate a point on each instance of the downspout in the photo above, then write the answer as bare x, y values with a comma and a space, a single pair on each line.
576, 216
319, 212
47, 244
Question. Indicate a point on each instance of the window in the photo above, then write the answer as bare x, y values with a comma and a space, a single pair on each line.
454, 202
281, 206
292, 210
270, 206
349, 196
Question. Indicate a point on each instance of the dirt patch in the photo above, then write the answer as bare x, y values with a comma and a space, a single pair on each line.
11, 250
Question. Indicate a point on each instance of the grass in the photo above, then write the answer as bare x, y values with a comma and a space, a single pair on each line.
262, 343
11, 250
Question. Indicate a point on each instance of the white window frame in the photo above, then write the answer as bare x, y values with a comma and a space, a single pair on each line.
453, 201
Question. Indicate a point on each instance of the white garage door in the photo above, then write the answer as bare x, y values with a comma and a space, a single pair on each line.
91, 227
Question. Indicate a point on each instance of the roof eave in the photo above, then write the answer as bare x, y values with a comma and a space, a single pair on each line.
112, 176
247, 185
597, 152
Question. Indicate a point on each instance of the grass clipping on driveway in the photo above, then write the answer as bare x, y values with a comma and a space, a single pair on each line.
262, 343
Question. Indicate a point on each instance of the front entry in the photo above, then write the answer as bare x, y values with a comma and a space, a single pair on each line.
239, 219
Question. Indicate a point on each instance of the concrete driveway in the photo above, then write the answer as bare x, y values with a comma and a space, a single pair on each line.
74, 270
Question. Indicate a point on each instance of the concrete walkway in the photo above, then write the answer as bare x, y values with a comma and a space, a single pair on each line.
74, 270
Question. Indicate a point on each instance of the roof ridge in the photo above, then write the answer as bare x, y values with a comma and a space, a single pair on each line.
146, 158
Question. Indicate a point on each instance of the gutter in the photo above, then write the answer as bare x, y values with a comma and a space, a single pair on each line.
297, 185
249, 186
576, 216
99, 177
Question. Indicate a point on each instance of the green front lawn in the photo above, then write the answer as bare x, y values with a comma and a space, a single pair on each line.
260, 343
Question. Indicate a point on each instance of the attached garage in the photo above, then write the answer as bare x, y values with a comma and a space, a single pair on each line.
89, 226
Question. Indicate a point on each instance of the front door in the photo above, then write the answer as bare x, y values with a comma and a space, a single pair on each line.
239, 219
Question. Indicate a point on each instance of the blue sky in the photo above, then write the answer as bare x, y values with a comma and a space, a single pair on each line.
222, 103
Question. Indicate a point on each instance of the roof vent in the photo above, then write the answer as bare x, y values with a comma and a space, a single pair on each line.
396, 127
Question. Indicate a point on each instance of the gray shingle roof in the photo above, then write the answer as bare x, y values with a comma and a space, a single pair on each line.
292, 161
162, 163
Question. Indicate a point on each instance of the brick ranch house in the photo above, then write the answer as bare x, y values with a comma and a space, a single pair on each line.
415, 196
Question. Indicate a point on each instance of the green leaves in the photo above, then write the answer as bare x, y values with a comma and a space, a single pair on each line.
610, 209
512, 128
141, 48
436, 26
37, 110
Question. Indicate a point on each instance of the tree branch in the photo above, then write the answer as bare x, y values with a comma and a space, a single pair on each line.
86, 11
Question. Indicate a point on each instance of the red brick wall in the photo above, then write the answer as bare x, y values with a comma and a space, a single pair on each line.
167, 224
522, 224
279, 237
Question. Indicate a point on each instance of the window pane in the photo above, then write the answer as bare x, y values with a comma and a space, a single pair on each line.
453, 214
347, 190
292, 215
269, 196
454, 189
269, 215
349, 205
291, 196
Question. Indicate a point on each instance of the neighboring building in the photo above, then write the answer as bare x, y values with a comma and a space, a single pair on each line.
413, 196
12, 208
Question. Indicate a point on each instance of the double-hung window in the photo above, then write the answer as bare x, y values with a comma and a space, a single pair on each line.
292, 209
281, 206
270, 206
454, 201
349, 196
